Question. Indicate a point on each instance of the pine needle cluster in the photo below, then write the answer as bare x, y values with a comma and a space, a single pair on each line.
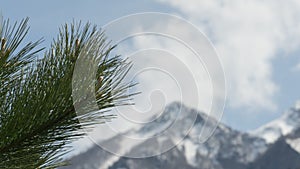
37, 111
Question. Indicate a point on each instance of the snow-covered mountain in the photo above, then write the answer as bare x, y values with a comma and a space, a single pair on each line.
282, 126
226, 149
283, 137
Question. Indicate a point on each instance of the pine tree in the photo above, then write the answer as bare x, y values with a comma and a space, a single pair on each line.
37, 115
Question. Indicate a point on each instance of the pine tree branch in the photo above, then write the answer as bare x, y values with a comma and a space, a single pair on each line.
38, 118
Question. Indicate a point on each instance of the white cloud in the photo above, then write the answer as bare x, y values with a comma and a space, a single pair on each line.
248, 35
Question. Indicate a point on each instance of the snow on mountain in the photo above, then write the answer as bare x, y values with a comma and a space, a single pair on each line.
297, 105
177, 128
293, 139
282, 126
224, 144
279, 155
227, 148
273, 130
295, 144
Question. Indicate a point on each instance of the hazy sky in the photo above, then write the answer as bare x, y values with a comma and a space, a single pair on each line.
257, 41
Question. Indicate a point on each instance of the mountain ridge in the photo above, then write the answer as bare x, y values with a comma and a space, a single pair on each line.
227, 148
282, 126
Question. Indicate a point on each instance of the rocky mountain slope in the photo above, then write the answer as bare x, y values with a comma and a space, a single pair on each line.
226, 149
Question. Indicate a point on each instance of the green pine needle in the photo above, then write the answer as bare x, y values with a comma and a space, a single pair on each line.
37, 116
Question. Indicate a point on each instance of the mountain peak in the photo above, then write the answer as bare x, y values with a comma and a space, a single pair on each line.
178, 126
284, 125
175, 104
175, 115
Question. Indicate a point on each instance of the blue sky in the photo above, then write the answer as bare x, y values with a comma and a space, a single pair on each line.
272, 91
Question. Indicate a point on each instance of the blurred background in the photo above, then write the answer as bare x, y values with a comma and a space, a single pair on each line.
258, 46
